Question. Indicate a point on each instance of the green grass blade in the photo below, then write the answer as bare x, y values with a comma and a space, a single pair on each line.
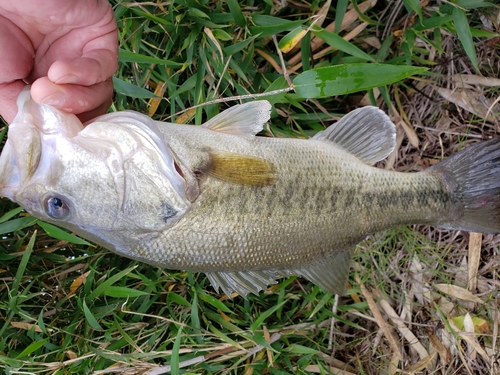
22, 265
128, 56
465, 35
33, 347
90, 318
10, 214
131, 90
17, 224
124, 292
256, 324
234, 8
109, 282
341, 44
61, 234
174, 358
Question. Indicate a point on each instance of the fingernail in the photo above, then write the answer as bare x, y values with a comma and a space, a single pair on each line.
69, 78
58, 99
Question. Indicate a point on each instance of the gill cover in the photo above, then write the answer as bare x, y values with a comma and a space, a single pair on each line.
151, 191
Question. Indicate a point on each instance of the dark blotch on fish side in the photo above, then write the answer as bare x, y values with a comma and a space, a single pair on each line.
167, 212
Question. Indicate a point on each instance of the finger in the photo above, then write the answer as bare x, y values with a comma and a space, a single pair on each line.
8, 96
85, 71
72, 98
16, 59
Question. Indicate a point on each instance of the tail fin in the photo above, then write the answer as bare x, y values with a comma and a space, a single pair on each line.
473, 178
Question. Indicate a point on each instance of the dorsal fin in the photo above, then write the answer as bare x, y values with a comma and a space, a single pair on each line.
245, 120
366, 132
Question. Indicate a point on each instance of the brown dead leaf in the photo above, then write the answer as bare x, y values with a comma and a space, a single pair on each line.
458, 292
472, 101
29, 326
153, 103
472, 79
475, 242
420, 365
80, 280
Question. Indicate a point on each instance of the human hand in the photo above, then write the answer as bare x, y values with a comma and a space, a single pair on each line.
67, 50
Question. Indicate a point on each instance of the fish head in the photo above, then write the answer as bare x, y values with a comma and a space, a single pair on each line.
112, 175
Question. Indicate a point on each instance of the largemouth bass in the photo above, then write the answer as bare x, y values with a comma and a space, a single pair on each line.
243, 209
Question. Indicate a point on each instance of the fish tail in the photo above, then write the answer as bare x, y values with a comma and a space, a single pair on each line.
472, 176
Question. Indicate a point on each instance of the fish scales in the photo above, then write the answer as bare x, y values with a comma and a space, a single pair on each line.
245, 210
324, 194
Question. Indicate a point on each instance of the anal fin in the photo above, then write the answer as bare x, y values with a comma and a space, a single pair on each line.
331, 274
242, 282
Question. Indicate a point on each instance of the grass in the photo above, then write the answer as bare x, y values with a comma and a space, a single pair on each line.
71, 308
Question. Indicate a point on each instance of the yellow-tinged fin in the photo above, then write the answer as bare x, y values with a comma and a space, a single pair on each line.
240, 169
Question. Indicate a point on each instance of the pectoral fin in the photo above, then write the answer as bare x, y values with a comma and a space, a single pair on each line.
240, 169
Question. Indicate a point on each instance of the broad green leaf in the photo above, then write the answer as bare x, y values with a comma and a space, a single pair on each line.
344, 79
61, 234
341, 44
465, 36
127, 56
131, 90
124, 292
90, 318
16, 224
33, 347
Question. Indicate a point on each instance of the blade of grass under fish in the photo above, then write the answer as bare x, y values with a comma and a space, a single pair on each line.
256, 324
10, 214
60, 234
464, 35
109, 282
17, 224
343, 79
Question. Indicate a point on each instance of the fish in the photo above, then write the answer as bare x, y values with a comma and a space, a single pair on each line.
219, 199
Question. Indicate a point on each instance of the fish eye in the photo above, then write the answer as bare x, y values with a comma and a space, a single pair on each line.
56, 207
